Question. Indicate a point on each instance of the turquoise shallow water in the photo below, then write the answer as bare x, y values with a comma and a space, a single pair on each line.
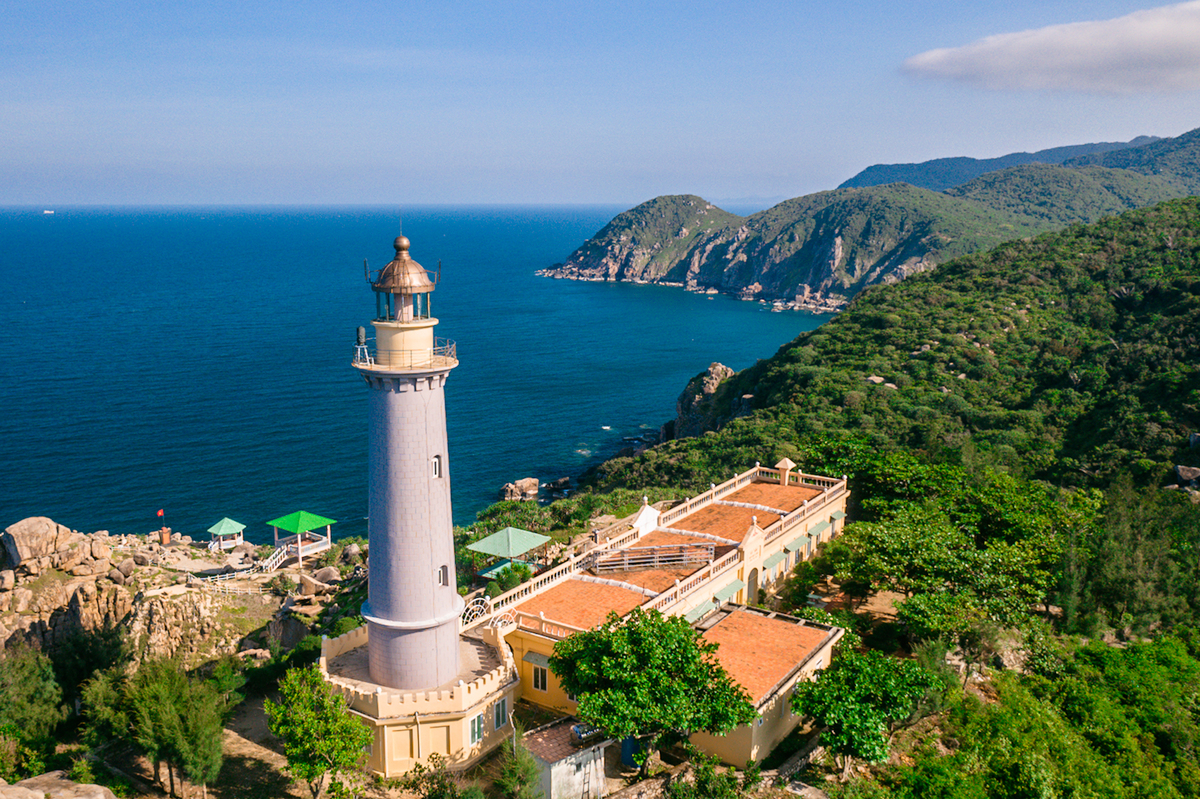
197, 359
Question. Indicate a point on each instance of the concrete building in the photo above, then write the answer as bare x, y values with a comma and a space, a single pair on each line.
431, 677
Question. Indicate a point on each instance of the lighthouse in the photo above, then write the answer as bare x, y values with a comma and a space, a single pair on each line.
413, 607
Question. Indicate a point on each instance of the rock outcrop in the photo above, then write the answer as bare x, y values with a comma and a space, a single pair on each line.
695, 410
54, 785
525, 489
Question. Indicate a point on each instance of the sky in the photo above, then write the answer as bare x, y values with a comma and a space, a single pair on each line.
412, 102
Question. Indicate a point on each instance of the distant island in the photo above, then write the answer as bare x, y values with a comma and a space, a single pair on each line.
817, 252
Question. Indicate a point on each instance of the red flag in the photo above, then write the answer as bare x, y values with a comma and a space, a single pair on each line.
160, 513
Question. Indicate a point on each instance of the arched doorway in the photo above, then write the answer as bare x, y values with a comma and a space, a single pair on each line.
752, 588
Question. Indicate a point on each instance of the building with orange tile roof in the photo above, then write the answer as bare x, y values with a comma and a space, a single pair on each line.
705, 558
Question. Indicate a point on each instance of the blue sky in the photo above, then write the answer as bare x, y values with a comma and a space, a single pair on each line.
557, 102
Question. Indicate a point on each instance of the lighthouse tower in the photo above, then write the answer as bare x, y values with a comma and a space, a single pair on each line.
413, 606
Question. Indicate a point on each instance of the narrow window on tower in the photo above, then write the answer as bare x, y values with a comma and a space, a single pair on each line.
436, 465
444, 575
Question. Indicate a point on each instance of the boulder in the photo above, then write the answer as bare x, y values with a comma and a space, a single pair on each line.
55, 785
116, 576
141, 558
21, 599
100, 550
310, 587
126, 566
329, 574
36, 537
1187, 474
83, 569
351, 552
524, 489
243, 549
72, 557
8, 580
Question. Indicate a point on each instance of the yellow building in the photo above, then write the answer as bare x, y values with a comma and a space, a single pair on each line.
706, 558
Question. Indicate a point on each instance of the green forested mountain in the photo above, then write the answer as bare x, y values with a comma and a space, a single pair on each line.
819, 250
1175, 160
945, 173
833, 242
1008, 423
1071, 355
1060, 196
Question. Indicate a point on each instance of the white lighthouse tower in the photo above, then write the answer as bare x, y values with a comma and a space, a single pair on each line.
413, 606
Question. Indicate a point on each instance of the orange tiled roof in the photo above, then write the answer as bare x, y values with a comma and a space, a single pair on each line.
773, 495
657, 580
582, 603
662, 538
726, 521
759, 652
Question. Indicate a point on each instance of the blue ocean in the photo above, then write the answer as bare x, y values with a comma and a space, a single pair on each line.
197, 360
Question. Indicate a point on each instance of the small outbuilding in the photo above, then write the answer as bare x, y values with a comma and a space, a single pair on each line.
570, 758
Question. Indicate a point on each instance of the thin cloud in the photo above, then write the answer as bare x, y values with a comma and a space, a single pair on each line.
1157, 50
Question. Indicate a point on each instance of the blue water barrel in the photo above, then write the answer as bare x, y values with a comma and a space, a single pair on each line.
630, 747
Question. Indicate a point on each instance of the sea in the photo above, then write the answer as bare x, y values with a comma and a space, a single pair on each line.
197, 360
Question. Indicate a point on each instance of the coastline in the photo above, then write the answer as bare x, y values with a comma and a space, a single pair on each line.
812, 303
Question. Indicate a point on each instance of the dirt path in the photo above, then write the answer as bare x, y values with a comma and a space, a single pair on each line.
254, 760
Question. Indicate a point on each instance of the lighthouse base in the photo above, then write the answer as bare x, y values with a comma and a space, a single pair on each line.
461, 720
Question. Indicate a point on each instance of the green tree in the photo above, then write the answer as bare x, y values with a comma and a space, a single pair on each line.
858, 700
519, 776
30, 698
651, 676
319, 737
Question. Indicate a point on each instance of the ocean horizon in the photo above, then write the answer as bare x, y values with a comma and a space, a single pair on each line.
197, 358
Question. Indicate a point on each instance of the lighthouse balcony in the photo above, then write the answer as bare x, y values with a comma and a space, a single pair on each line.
442, 355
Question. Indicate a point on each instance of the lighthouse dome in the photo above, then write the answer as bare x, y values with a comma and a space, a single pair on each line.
402, 275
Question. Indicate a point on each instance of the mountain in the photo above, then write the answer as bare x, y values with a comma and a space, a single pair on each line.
1176, 160
944, 173
816, 252
1060, 195
1063, 357
1017, 430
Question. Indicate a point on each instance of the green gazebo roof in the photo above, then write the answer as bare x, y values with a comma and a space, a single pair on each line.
226, 526
300, 522
510, 542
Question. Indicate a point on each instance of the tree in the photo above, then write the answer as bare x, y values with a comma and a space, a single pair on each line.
319, 737
651, 676
171, 717
858, 699
30, 698
518, 777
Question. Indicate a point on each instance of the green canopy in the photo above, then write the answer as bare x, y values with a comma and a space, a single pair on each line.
510, 542
226, 526
300, 522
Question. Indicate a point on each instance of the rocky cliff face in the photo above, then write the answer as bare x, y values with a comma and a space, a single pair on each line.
59, 582
707, 402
